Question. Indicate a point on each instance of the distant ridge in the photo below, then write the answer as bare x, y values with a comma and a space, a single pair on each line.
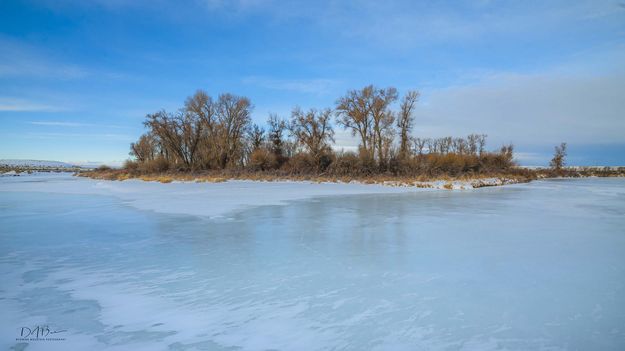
36, 164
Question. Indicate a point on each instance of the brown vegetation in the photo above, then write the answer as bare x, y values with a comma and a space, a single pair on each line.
211, 140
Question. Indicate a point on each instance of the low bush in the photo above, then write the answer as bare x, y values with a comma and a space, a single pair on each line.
156, 165
344, 164
262, 160
300, 163
103, 168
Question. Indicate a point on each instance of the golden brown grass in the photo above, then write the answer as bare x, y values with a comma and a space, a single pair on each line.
420, 181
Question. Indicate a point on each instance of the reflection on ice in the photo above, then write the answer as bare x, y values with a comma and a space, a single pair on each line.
536, 266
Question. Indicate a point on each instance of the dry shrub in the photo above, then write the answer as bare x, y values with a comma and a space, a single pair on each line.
300, 163
157, 165
131, 165
165, 179
404, 165
262, 160
324, 161
493, 162
344, 164
210, 179
366, 164
446, 163
451, 164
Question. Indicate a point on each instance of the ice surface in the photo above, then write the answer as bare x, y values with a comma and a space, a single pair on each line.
524, 267
201, 199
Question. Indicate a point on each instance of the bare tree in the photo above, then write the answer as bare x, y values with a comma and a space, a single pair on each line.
233, 115
559, 156
353, 111
405, 121
382, 121
144, 149
432, 145
256, 136
201, 106
444, 144
481, 143
277, 142
460, 146
508, 152
420, 144
472, 143
312, 130
179, 133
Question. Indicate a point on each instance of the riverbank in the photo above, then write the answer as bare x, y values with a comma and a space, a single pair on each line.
467, 181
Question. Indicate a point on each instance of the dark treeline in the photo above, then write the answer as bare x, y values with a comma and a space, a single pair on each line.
218, 134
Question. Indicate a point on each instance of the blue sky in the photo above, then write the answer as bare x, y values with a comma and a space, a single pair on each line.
78, 77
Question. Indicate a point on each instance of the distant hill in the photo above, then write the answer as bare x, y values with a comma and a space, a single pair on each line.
35, 164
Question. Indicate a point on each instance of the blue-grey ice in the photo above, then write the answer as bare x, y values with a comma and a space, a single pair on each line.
521, 267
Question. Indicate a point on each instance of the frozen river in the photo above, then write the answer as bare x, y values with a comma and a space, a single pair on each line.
523, 267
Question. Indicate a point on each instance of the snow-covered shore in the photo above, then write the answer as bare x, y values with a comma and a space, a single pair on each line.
211, 199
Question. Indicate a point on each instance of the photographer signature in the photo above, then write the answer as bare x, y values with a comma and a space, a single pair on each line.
39, 331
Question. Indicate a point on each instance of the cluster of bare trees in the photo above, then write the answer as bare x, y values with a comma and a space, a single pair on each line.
219, 134
367, 114
473, 145
202, 134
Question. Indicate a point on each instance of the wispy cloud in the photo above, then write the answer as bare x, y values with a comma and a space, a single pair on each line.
18, 59
344, 141
406, 23
73, 124
308, 86
89, 136
21, 105
397, 24
57, 124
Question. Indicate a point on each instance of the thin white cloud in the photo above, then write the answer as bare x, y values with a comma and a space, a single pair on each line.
73, 124
90, 136
18, 59
344, 140
309, 86
407, 23
57, 124
21, 105
395, 23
